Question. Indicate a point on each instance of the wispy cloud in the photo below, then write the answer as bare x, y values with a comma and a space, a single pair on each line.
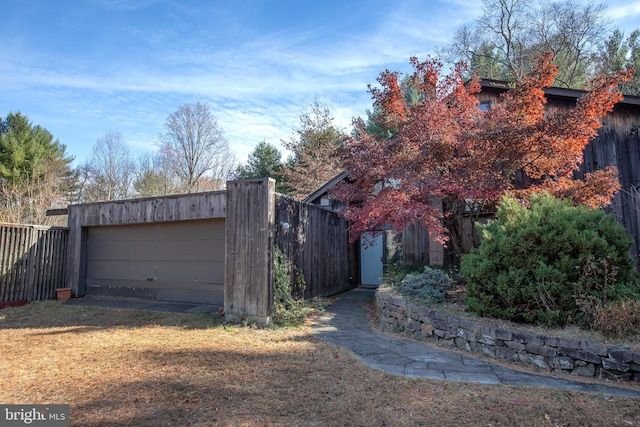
627, 10
145, 58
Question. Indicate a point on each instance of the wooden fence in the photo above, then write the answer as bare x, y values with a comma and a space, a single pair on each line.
316, 242
32, 261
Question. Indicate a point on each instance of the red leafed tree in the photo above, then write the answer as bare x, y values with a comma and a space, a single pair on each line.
445, 149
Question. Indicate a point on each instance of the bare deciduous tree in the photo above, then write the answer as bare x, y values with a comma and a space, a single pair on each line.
506, 40
200, 155
26, 200
154, 176
108, 174
573, 32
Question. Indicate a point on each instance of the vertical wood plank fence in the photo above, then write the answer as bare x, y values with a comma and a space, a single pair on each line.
316, 242
32, 261
248, 281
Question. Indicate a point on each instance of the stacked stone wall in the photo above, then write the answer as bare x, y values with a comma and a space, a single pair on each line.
567, 355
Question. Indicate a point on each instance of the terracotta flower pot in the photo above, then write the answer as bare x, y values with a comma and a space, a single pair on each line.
63, 294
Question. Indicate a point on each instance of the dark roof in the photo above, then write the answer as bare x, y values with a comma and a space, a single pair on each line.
326, 187
562, 92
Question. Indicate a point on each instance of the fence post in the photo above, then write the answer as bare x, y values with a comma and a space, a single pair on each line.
249, 225
31, 251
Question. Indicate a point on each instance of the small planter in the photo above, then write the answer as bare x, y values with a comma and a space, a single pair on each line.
63, 294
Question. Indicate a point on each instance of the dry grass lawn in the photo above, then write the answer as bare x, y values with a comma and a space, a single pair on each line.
136, 368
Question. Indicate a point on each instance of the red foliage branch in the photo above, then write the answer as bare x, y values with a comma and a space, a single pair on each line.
445, 148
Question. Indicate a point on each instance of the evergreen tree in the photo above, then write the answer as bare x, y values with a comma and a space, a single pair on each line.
35, 172
313, 159
264, 161
617, 54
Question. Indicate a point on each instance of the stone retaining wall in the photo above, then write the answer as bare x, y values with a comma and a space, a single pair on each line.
568, 355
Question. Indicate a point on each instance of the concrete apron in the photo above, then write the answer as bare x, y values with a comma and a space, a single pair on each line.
140, 304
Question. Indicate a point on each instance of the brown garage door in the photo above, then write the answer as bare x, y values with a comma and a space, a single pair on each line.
169, 261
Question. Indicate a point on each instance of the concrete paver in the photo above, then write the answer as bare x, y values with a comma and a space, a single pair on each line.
346, 324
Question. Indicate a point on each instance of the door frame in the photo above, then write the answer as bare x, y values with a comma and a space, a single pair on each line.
372, 256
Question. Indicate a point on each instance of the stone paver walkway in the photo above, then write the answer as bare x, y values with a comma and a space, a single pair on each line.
346, 324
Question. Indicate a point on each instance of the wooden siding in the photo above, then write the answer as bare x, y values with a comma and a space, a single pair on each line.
621, 150
136, 211
248, 278
616, 144
316, 244
32, 262
161, 209
413, 246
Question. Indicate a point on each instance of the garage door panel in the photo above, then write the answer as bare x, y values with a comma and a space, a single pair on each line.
127, 233
152, 284
213, 294
191, 271
180, 261
210, 293
178, 271
120, 249
201, 250
186, 230
114, 250
118, 270
115, 290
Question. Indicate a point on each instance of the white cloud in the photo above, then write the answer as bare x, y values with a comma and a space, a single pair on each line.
256, 84
624, 11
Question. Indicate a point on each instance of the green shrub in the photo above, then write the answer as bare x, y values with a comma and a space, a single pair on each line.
394, 272
428, 285
530, 265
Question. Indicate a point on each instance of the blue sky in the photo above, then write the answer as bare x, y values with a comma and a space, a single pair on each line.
87, 67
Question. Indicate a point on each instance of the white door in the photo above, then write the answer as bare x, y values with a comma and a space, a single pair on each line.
371, 259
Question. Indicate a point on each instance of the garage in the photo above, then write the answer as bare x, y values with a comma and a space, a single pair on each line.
180, 261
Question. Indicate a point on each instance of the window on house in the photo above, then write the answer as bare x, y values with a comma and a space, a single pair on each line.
484, 106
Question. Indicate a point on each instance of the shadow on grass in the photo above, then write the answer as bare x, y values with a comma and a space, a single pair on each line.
318, 385
234, 387
53, 314
254, 377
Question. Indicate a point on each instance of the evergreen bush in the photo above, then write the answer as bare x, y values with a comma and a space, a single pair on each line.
531, 264
428, 285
